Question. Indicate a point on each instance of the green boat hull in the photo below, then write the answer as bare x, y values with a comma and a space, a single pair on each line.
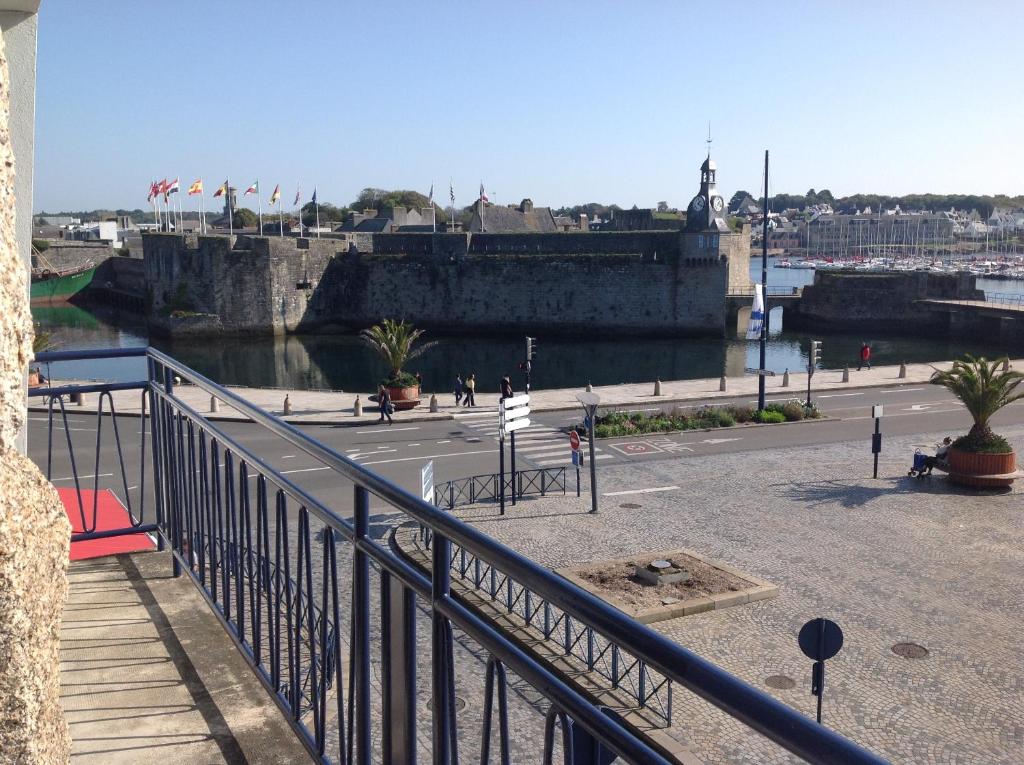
56, 289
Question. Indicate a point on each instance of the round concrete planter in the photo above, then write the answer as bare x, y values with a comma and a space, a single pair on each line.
405, 398
33, 377
970, 468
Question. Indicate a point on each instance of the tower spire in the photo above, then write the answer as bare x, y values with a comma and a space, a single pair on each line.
709, 139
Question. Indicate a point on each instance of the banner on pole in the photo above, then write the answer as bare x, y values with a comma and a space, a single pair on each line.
756, 315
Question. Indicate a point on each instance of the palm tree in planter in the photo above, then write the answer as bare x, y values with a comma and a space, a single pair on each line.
984, 388
396, 343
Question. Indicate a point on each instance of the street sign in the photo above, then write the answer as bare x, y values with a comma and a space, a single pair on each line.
586, 422
513, 401
512, 413
876, 411
762, 372
820, 639
512, 427
574, 440
427, 482
577, 458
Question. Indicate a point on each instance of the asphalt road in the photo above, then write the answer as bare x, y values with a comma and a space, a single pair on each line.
468, 445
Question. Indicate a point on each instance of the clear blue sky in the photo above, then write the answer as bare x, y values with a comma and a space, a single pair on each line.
562, 102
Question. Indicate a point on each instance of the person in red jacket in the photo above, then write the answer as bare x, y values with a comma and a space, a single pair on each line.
865, 356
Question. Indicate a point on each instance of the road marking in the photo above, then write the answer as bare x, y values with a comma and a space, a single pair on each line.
919, 407
541, 447
639, 491
550, 453
430, 457
635, 447
549, 463
390, 430
838, 395
901, 390
412, 444
719, 440
72, 478
301, 470
902, 414
443, 442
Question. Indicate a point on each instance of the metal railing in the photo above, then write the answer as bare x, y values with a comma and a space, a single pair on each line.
487, 487
270, 559
770, 291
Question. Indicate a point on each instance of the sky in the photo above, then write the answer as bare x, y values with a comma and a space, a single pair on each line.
560, 102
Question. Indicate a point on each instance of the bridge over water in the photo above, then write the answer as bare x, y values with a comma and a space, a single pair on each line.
738, 303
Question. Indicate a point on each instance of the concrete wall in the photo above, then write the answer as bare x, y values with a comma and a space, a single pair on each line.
63, 255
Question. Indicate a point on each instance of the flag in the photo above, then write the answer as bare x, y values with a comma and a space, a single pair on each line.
254, 188
276, 195
196, 188
430, 197
298, 195
756, 315
154, 189
221, 190
314, 195
483, 196
173, 187
451, 192
162, 188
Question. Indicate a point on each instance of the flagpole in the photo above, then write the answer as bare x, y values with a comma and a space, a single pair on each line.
231, 217
280, 215
317, 206
259, 205
202, 215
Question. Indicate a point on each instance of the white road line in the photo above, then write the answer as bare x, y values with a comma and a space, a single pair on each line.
639, 491
430, 457
91, 475
539, 448
550, 453
546, 463
901, 390
412, 444
288, 457
838, 395
904, 414
304, 470
389, 430
447, 441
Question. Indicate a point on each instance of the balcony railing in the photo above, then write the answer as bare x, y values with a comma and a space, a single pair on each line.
292, 577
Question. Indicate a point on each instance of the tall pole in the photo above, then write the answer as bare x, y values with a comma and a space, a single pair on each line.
317, 206
280, 217
202, 214
231, 217
259, 206
592, 411
764, 291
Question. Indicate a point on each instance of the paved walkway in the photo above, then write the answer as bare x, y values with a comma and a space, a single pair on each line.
317, 407
147, 673
893, 560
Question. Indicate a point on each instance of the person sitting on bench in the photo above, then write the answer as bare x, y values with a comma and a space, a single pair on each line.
939, 460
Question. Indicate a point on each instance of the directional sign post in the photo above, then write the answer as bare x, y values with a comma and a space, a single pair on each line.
820, 640
876, 438
577, 458
512, 416
590, 402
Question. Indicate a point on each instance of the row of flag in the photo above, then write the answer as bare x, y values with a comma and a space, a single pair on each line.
165, 188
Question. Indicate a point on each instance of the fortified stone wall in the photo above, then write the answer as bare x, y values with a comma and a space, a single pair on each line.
628, 283
61, 255
886, 302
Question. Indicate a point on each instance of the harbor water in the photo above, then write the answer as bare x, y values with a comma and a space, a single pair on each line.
342, 362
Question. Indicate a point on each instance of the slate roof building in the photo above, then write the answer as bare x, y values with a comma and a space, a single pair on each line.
524, 219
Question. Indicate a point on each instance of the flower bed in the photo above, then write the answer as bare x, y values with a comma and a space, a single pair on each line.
614, 424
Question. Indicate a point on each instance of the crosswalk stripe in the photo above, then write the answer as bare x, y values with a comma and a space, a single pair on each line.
549, 463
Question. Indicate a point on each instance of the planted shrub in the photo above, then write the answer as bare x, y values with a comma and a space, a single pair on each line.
769, 416
742, 413
793, 411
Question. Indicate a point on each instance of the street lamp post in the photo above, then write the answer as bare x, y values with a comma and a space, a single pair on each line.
590, 402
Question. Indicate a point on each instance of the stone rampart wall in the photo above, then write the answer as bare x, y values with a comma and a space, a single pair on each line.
640, 284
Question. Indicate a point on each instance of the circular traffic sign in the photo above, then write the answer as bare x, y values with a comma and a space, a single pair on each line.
820, 639
574, 439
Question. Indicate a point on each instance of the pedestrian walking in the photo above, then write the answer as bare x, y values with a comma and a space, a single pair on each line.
419, 379
459, 387
865, 356
506, 387
471, 390
386, 407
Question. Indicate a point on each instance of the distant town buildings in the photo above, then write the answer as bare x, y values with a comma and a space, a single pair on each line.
521, 219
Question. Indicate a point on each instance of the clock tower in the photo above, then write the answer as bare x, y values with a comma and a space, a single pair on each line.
707, 210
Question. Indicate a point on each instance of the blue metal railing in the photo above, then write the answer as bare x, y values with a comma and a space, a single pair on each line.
268, 557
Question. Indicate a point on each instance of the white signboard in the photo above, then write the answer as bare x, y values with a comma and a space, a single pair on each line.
427, 481
876, 411
513, 413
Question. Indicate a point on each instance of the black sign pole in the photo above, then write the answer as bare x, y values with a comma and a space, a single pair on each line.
512, 438
876, 442
501, 454
592, 413
810, 374
578, 459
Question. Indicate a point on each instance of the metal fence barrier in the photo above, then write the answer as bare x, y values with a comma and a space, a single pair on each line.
271, 561
487, 487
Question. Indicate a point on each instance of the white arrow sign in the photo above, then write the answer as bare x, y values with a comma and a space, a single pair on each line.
513, 401
919, 407
719, 440
515, 414
517, 424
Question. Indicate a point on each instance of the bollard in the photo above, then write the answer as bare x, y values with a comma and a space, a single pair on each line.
287, 405
590, 388
721, 384
214, 404
177, 380
1006, 364
903, 371
785, 379
846, 373
657, 387
357, 407
77, 399
433, 403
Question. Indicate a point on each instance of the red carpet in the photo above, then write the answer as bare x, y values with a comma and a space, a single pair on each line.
110, 514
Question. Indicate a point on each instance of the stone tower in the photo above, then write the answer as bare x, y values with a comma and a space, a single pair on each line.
707, 238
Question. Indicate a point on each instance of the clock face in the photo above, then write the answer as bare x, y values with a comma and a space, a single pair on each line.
698, 203
718, 204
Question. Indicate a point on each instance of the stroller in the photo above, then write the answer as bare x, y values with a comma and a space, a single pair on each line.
920, 466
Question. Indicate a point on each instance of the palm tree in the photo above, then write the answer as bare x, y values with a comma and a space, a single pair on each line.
984, 388
395, 341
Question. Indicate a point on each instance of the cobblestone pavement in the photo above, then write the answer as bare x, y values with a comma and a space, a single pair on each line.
891, 560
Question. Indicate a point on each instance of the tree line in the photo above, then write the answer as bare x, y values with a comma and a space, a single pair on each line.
984, 204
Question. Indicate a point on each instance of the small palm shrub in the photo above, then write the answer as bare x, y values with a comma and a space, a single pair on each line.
984, 388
